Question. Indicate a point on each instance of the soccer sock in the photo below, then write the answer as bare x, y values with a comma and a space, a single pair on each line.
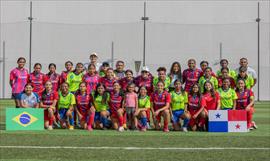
71, 121
186, 121
91, 119
125, 118
249, 119
51, 119
148, 115
121, 120
165, 124
201, 122
17, 106
144, 121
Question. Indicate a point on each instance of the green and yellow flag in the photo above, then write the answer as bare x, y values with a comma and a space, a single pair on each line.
24, 119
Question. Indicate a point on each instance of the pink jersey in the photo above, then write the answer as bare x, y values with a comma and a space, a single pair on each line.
131, 99
190, 77
91, 82
107, 83
37, 81
19, 78
55, 79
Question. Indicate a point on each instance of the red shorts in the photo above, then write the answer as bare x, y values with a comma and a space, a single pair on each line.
193, 121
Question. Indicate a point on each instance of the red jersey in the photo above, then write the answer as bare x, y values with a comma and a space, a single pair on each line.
124, 83
116, 100
55, 79
63, 76
160, 100
243, 99
232, 82
190, 77
83, 102
107, 83
48, 98
211, 103
91, 82
195, 103
148, 83
38, 82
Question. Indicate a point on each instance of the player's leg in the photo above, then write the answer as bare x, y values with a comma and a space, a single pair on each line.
70, 116
62, 117
143, 120
91, 118
201, 120
175, 119
50, 114
166, 118
186, 117
120, 116
148, 115
104, 118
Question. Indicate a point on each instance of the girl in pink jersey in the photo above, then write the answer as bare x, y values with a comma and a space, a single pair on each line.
18, 79
53, 77
63, 76
131, 105
91, 78
37, 79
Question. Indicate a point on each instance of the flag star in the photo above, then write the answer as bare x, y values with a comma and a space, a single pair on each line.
218, 115
237, 126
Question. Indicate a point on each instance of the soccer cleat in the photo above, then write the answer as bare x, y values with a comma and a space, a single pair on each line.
89, 128
166, 130
121, 129
50, 127
254, 125
71, 127
148, 126
185, 129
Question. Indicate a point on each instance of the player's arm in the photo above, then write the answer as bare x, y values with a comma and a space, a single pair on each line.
163, 108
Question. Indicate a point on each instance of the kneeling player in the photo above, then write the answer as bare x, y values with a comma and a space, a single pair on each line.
196, 104
101, 103
85, 111
160, 103
66, 105
179, 100
116, 107
48, 102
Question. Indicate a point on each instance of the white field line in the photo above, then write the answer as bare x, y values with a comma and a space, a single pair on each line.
132, 148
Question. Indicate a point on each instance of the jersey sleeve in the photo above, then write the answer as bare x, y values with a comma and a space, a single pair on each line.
56, 96
217, 96
68, 78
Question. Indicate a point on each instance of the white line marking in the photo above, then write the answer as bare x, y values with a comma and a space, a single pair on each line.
133, 148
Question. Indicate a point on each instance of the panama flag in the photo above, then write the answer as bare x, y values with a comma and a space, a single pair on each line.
227, 121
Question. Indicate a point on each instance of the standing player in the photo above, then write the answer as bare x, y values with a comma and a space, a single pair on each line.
48, 102
162, 77
204, 64
160, 103
63, 76
143, 106
131, 105
75, 78
37, 79
225, 74
66, 105
18, 79
116, 107
245, 101
224, 64
108, 80
249, 81
103, 69
196, 105
101, 100
227, 95
179, 101
84, 109
91, 78
28, 98
208, 77
53, 77
191, 75
126, 80
175, 74
212, 99
119, 71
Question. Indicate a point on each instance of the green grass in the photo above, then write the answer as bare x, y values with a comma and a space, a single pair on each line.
259, 138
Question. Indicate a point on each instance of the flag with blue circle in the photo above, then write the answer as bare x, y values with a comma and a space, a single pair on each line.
227, 121
24, 119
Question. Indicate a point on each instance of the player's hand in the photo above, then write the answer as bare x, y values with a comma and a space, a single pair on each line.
156, 112
248, 108
195, 116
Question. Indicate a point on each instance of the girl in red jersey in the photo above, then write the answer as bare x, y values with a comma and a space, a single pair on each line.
196, 105
212, 99
225, 74
160, 103
84, 109
116, 107
91, 78
126, 80
53, 77
108, 80
48, 101
37, 79
63, 76
245, 101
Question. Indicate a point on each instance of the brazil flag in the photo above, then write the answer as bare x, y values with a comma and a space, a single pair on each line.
24, 119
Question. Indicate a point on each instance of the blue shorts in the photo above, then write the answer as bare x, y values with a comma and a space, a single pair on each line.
176, 115
98, 117
62, 113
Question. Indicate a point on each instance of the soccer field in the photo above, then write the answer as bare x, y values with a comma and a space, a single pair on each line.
151, 145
